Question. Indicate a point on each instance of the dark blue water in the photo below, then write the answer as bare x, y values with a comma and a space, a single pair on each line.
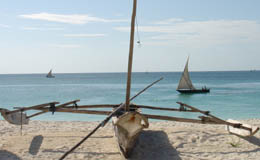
233, 94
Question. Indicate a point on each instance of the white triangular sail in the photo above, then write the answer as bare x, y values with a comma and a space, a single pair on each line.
50, 73
185, 82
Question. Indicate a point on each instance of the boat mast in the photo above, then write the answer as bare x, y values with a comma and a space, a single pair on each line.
130, 58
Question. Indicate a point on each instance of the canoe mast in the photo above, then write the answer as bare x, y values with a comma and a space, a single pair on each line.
130, 58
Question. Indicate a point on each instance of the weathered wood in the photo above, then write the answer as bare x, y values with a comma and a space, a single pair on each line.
216, 119
160, 108
127, 128
169, 118
132, 106
59, 106
14, 118
150, 85
69, 110
159, 117
130, 58
193, 108
32, 107
95, 106
204, 112
35, 114
239, 131
208, 120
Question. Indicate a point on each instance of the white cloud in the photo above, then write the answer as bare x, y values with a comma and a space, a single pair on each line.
203, 32
4, 26
69, 18
66, 45
169, 21
155, 43
42, 29
84, 35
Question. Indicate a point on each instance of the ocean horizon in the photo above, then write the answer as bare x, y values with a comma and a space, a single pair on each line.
233, 94
45, 73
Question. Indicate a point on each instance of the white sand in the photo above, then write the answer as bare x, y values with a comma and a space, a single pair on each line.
161, 141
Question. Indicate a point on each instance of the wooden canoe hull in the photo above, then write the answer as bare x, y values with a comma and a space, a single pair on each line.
187, 91
127, 128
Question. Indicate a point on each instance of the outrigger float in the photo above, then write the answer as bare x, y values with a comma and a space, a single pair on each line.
127, 119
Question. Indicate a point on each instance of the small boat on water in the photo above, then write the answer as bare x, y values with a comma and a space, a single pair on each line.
185, 84
49, 75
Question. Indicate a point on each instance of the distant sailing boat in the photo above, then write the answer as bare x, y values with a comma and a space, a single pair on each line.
185, 84
49, 75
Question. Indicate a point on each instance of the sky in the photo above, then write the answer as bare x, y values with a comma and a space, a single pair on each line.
86, 36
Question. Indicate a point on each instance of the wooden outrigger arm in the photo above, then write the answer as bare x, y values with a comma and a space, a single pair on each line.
232, 126
88, 109
206, 119
158, 117
31, 108
59, 106
213, 118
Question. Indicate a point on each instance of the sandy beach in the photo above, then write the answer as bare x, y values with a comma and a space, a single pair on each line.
43, 140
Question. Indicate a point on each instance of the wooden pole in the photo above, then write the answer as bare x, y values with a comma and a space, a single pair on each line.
92, 132
216, 119
158, 117
32, 107
95, 106
130, 58
169, 118
62, 105
150, 85
21, 129
68, 110
160, 108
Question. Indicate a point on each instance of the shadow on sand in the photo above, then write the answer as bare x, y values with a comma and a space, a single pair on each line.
154, 145
253, 140
78, 152
35, 145
6, 155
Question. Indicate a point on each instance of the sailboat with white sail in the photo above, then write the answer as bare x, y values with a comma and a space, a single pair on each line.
49, 75
185, 84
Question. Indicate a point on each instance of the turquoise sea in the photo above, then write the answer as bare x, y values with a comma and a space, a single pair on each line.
234, 94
